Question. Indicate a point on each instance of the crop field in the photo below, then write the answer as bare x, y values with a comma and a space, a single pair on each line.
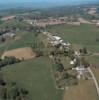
35, 76
83, 35
84, 91
21, 53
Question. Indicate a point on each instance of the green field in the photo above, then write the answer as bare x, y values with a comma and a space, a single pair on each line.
36, 77
23, 39
35, 74
83, 35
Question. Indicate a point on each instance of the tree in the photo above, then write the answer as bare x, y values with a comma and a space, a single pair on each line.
85, 50
3, 92
59, 67
8, 61
85, 62
3, 39
77, 63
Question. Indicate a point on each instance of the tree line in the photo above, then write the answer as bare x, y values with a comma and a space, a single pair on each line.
8, 61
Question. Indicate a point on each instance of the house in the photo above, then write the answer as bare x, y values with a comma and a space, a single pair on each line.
97, 24
77, 54
54, 40
73, 61
9, 35
74, 23
67, 44
29, 21
81, 70
55, 43
57, 38
7, 18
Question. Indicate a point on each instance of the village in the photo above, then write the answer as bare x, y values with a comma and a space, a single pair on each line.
57, 49
77, 60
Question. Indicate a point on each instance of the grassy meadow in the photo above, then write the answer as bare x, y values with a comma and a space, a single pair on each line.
36, 77
83, 35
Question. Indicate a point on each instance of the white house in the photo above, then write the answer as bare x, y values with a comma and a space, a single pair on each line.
55, 43
65, 44
77, 53
73, 62
57, 38
54, 40
97, 24
9, 35
81, 70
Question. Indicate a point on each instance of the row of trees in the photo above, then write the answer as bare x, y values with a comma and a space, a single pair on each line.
8, 61
83, 50
38, 48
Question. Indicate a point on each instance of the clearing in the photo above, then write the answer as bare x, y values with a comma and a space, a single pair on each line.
20, 53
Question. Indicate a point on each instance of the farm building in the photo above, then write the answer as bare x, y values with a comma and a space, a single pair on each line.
73, 62
82, 71
67, 44
74, 23
77, 54
97, 24
9, 35
56, 40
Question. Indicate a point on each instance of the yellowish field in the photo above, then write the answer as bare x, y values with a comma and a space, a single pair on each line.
94, 61
20, 53
96, 73
84, 91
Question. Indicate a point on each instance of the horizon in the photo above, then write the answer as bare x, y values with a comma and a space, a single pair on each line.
48, 1
9, 4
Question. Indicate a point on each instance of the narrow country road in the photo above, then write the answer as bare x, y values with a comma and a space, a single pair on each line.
94, 79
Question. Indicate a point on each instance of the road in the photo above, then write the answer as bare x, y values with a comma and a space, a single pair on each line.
94, 79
